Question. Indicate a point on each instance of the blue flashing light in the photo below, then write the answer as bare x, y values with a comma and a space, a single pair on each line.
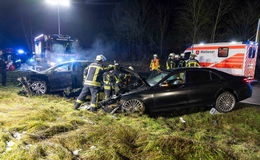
59, 59
31, 60
20, 51
19, 60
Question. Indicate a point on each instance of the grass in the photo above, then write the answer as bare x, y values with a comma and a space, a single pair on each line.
53, 130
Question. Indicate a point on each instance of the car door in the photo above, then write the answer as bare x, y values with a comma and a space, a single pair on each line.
61, 77
77, 74
171, 93
202, 87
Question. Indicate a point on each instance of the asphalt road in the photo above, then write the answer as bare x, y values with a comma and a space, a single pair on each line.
255, 99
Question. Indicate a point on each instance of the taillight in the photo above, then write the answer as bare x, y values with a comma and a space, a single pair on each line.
248, 80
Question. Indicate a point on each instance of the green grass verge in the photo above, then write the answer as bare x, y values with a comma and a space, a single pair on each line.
53, 130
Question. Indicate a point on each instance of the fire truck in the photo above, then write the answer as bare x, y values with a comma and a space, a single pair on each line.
53, 49
237, 58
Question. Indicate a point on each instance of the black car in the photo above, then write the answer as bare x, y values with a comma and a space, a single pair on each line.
62, 77
187, 87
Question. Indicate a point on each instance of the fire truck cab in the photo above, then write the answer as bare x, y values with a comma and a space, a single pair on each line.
53, 49
237, 58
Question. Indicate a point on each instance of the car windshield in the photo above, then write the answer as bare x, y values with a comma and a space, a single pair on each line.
154, 79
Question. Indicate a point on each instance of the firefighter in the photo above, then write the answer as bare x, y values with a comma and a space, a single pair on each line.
155, 63
110, 81
176, 60
182, 62
92, 83
3, 68
170, 63
192, 62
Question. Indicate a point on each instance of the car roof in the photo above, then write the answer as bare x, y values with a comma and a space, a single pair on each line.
200, 68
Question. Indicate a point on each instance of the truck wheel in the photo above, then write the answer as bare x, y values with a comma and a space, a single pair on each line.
225, 102
39, 87
133, 106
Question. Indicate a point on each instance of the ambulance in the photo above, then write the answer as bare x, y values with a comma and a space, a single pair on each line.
237, 58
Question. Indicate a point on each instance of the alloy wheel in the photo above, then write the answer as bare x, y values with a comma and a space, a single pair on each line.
225, 102
133, 106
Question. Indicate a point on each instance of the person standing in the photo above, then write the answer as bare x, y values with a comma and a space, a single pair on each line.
170, 63
192, 62
182, 62
93, 76
155, 63
3, 68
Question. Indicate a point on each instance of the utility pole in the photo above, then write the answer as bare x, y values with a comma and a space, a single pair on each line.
257, 32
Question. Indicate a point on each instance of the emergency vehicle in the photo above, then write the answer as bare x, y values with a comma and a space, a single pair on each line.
237, 58
53, 49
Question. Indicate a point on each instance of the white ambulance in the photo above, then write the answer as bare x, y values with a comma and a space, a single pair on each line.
237, 58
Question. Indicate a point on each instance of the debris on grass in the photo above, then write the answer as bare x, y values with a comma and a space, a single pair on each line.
182, 120
76, 152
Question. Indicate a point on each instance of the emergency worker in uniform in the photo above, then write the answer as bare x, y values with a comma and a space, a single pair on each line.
192, 62
170, 63
155, 63
3, 68
182, 62
110, 81
176, 60
93, 76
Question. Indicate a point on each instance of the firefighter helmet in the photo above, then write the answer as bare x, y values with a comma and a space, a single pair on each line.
100, 58
131, 68
155, 55
171, 54
176, 56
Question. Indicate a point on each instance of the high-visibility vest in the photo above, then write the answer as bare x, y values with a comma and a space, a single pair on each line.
109, 80
171, 64
155, 65
93, 74
182, 63
193, 63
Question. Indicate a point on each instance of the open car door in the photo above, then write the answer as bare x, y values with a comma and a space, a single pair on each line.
60, 77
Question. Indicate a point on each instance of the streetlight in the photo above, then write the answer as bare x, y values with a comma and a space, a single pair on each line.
58, 4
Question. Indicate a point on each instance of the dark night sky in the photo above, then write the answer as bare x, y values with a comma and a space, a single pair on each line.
83, 20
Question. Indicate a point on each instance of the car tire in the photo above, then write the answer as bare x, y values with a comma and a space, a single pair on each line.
225, 102
39, 87
133, 106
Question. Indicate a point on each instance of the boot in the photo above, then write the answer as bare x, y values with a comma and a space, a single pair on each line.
77, 106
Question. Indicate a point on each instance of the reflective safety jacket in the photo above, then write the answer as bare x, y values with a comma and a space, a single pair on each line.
182, 63
110, 80
171, 64
93, 74
193, 63
155, 64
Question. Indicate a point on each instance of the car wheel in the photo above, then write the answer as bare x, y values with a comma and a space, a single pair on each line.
39, 87
133, 106
225, 102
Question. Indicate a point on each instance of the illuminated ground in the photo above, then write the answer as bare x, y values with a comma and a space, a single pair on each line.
51, 129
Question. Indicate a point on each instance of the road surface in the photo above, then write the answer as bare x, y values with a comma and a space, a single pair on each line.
255, 99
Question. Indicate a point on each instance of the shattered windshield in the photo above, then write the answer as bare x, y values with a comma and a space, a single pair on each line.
154, 79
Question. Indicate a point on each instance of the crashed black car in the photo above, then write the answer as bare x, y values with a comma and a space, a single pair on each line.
62, 77
185, 87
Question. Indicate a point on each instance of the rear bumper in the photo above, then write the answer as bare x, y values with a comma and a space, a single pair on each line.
244, 92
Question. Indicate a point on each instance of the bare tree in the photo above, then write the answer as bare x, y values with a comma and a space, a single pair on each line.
243, 21
163, 16
131, 23
194, 16
223, 8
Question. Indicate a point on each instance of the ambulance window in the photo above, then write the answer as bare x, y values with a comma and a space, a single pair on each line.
252, 52
187, 55
223, 52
